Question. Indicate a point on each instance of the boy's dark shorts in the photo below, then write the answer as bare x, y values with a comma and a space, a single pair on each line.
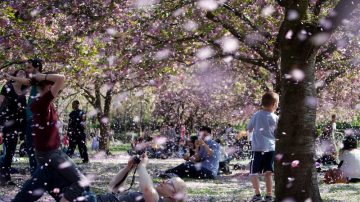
262, 162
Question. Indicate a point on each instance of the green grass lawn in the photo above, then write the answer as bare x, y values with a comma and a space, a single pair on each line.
235, 187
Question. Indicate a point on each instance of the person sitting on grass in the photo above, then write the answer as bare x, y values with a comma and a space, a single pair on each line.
204, 164
349, 167
191, 150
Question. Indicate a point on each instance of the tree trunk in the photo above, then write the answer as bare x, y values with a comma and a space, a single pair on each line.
296, 127
104, 134
103, 116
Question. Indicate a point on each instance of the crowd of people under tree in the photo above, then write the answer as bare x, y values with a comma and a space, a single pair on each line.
34, 120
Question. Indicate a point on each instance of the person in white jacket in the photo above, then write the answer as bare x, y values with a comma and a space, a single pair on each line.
350, 159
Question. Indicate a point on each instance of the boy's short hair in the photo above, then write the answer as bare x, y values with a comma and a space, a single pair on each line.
76, 102
206, 129
269, 99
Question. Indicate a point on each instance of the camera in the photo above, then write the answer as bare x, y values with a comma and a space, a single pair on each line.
137, 159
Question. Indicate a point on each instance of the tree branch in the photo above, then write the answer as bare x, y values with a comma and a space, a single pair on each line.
330, 79
16, 62
87, 94
321, 56
235, 33
171, 41
248, 22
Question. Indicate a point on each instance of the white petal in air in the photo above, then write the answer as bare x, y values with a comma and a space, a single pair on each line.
162, 54
289, 34
204, 53
229, 44
297, 74
292, 15
320, 39
111, 31
137, 59
34, 12
311, 101
144, 3
66, 164
178, 12
111, 60
208, 5
136, 119
190, 26
267, 11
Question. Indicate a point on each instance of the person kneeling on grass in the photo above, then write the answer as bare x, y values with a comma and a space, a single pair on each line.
204, 164
349, 168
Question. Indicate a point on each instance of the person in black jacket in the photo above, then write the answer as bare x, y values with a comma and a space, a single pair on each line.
12, 121
76, 132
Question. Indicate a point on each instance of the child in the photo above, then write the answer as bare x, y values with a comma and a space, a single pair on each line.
224, 159
95, 142
263, 124
65, 142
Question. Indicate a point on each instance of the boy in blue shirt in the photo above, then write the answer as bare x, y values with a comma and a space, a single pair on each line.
263, 124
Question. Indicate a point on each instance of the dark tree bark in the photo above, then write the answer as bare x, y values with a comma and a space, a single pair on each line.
296, 127
103, 113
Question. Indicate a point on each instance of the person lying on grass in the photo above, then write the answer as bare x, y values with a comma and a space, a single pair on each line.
170, 190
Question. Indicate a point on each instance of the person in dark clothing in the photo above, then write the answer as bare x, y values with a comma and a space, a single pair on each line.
12, 118
76, 132
33, 66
